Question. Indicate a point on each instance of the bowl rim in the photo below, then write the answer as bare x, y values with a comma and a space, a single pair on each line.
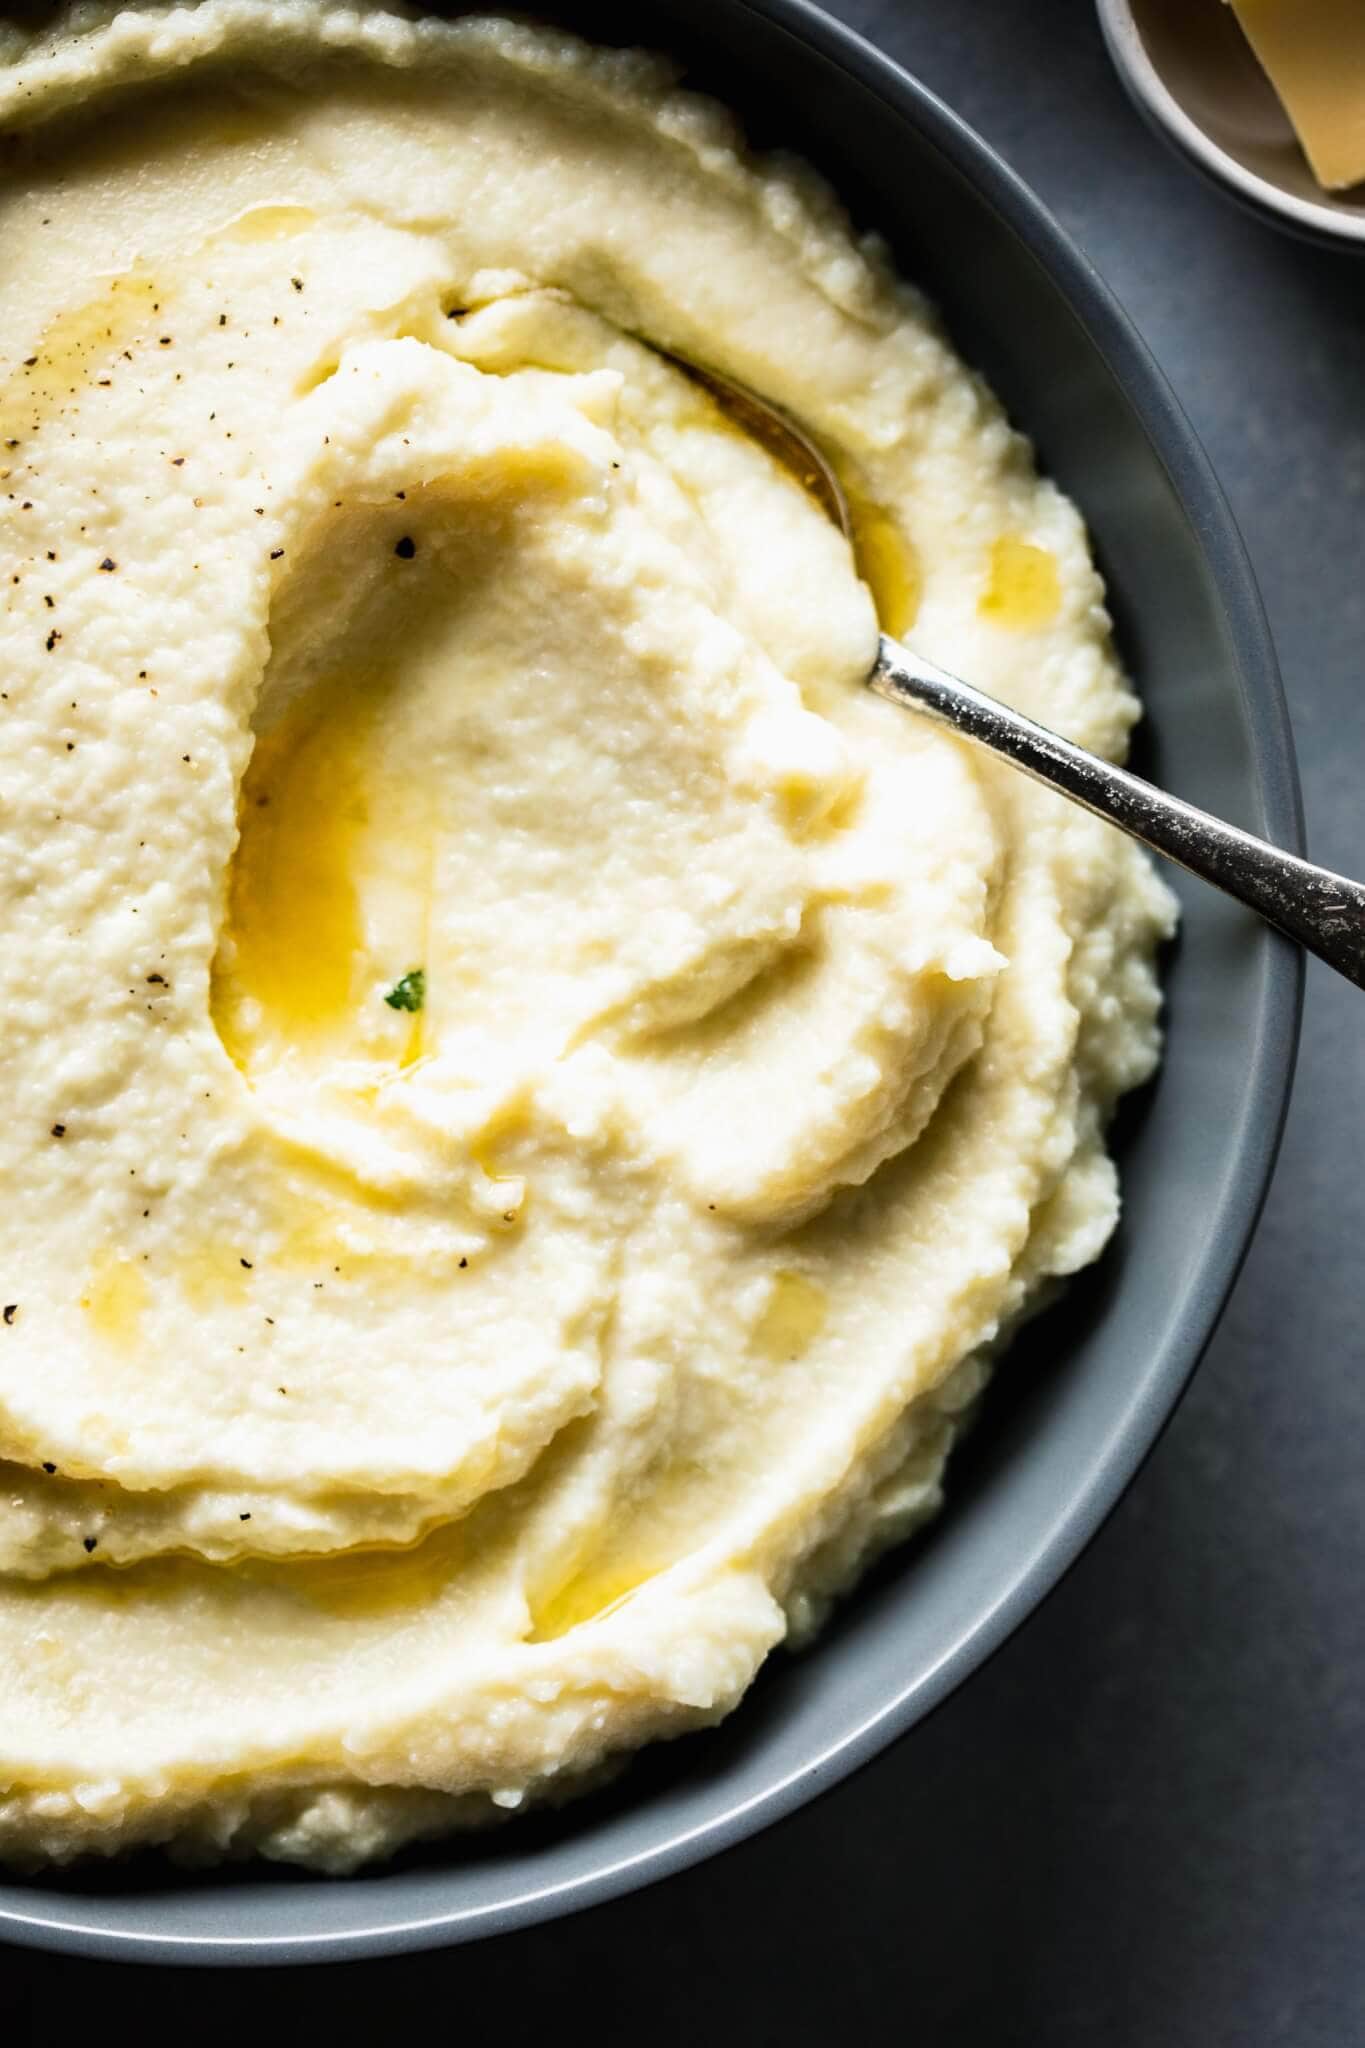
57, 1923
1316, 219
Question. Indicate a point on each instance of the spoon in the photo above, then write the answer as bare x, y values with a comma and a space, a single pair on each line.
1323, 911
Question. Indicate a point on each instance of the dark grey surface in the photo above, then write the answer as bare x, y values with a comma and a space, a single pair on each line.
1142, 1823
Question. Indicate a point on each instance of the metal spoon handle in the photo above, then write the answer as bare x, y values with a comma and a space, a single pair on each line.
1323, 911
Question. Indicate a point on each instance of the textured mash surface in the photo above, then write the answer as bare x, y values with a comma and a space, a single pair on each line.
379, 604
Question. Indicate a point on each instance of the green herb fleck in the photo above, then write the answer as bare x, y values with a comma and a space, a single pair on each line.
410, 993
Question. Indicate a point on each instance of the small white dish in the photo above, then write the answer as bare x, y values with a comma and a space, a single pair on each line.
1191, 73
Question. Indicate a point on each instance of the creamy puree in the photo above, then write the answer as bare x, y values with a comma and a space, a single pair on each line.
531, 1098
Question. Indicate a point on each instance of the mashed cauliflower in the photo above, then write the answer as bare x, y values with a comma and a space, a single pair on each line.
531, 1097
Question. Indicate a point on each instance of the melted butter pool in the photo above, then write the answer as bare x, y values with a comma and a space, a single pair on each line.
293, 912
589, 1596
115, 1297
329, 886
1023, 589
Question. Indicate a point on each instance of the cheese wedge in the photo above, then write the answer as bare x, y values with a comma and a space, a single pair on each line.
1313, 52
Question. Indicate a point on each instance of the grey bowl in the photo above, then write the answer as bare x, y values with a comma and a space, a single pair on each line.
1082, 1398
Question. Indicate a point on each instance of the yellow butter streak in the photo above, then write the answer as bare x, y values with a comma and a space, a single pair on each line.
359, 1584
115, 1297
73, 350
887, 562
270, 224
293, 913
332, 874
212, 1275
293, 906
1023, 589
793, 1318
587, 1597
